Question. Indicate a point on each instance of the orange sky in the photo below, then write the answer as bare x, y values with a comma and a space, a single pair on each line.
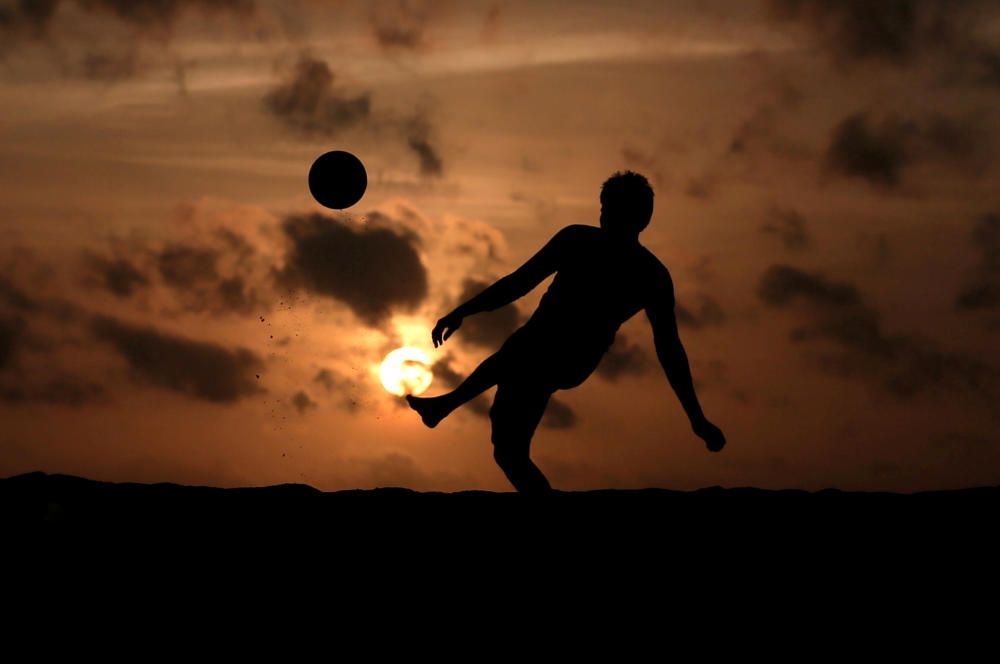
825, 200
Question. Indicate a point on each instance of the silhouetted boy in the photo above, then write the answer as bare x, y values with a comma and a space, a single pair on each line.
603, 278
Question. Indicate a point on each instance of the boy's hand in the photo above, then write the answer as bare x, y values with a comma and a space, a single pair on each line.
446, 327
711, 434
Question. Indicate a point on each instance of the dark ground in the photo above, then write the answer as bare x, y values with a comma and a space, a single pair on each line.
633, 543
64, 502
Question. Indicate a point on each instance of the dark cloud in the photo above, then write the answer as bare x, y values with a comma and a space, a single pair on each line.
894, 31
756, 129
199, 369
558, 415
400, 25
373, 270
215, 270
488, 328
160, 15
902, 33
156, 18
492, 22
418, 138
302, 402
61, 389
184, 266
117, 275
880, 151
891, 30
702, 187
877, 153
789, 225
11, 330
838, 314
14, 297
874, 247
309, 103
984, 291
26, 18
214, 273
341, 386
623, 359
709, 312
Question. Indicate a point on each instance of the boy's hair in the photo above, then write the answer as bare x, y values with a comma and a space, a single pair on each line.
631, 196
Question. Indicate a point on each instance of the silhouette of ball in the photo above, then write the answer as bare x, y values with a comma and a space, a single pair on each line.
337, 180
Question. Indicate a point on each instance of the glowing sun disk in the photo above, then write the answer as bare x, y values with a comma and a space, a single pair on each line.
406, 371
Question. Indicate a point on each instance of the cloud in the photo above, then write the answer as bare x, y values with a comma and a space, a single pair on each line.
199, 369
14, 297
894, 31
184, 266
160, 15
213, 269
709, 313
29, 369
876, 153
984, 291
701, 187
559, 415
156, 19
35, 330
880, 151
302, 402
117, 275
337, 384
418, 138
789, 225
837, 313
61, 389
401, 24
488, 328
10, 334
373, 270
309, 103
623, 359
899, 32
758, 128
27, 18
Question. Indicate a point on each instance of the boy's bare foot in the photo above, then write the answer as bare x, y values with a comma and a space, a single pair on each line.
430, 409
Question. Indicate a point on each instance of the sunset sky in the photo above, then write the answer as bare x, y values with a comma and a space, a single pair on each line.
826, 191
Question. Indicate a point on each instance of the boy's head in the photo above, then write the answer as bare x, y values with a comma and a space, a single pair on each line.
626, 202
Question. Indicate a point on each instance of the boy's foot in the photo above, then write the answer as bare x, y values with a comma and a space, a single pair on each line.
430, 409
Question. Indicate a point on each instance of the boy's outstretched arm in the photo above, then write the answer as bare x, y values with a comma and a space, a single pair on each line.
506, 289
675, 364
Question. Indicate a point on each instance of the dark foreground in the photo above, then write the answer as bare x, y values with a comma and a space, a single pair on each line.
65, 502
625, 540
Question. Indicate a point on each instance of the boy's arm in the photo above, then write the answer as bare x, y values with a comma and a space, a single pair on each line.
670, 352
506, 289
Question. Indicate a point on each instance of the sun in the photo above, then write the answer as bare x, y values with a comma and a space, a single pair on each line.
406, 371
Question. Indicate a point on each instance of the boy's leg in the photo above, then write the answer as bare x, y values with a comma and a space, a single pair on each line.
434, 409
517, 410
